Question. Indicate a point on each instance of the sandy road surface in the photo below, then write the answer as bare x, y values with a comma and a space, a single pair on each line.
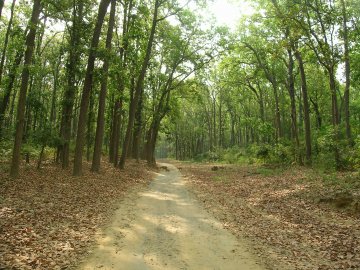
164, 227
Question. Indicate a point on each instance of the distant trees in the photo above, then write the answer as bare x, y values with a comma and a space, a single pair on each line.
289, 79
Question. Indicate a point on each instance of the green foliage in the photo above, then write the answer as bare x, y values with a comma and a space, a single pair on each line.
5, 150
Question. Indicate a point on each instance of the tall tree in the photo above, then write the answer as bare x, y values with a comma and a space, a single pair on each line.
347, 70
103, 91
6, 41
1, 6
75, 33
30, 45
84, 106
140, 84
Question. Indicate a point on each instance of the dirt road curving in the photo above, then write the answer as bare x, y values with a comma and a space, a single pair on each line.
164, 227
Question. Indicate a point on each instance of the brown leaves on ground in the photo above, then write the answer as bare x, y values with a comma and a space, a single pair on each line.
280, 214
48, 218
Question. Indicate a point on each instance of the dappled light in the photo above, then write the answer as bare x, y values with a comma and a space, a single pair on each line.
257, 102
167, 230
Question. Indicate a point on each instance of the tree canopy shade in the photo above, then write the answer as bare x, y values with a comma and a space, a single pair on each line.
123, 77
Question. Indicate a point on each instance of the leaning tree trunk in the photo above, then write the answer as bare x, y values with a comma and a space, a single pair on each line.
80, 138
102, 98
30, 44
139, 87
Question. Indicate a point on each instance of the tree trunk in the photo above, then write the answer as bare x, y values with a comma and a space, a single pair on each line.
30, 44
6, 41
347, 74
317, 113
137, 129
117, 135
89, 129
9, 87
335, 116
279, 133
139, 86
306, 106
54, 92
102, 98
1, 6
291, 89
70, 90
80, 138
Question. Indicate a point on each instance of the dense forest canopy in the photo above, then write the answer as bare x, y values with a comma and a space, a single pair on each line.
83, 79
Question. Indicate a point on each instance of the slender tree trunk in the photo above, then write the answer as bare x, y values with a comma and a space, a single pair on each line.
317, 113
30, 44
112, 130
1, 6
6, 41
80, 138
347, 73
139, 86
9, 87
54, 92
279, 133
117, 130
335, 116
261, 105
70, 91
137, 129
89, 129
291, 89
306, 106
103, 92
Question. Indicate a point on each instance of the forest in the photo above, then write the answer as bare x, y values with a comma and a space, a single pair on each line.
81, 79
102, 89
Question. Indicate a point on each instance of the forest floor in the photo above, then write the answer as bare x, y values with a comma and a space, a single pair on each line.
279, 218
294, 217
48, 218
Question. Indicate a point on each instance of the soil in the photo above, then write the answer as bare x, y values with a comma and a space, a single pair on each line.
164, 226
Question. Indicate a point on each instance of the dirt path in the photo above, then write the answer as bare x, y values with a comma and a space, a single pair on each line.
164, 227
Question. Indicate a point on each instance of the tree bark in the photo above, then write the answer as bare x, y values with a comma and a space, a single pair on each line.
80, 138
70, 90
6, 41
1, 6
306, 106
30, 44
335, 116
137, 129
9, 87
103, 92
347, 73
291, 89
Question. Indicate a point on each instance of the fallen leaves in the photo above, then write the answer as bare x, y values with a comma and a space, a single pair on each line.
279, 215
48, 218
